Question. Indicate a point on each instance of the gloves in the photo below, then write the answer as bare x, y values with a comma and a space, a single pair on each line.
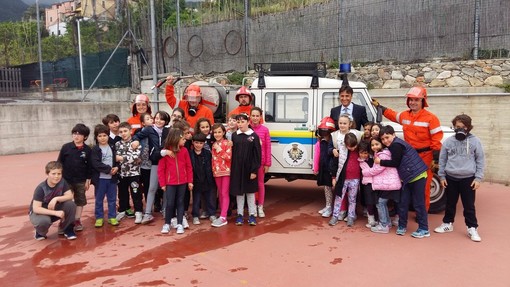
375, 103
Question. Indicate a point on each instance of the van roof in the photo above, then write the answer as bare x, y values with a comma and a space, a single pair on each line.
303, 82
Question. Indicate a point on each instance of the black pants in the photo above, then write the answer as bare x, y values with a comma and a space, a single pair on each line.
210, 203
126, 189
463, 188
145, 175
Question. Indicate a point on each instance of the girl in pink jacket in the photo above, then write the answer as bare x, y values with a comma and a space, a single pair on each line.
221, 163
385, 183
174, 174
265, 144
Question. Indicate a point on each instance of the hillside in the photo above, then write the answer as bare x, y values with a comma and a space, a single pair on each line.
13, 10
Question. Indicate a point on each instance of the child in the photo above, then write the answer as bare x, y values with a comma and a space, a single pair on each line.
366, 182
347, 180
203, 182
231, 126
177, 115
104, 175
129, 175
413, 173
338, 150
145, 164
203, 126
374, 131
221, 162
321, 162
461, 164
265, 145
112, 122
367, 131
52, 201
156, 133
174, 173
385, 183
75, 160
246, 160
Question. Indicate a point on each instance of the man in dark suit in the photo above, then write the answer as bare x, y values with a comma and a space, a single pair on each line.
357, 112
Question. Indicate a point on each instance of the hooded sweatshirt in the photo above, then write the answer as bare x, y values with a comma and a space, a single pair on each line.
462, 159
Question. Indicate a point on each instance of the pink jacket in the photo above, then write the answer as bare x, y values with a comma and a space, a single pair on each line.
265, 143
383, 178
316, 152
175, 170
222, 159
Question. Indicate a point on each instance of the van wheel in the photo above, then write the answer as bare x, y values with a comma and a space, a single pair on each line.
437, 196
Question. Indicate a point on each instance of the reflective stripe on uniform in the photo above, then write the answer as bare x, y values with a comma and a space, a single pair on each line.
422, 124
398, 118
435, 131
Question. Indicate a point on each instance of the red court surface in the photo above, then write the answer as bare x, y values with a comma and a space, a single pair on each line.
292, 246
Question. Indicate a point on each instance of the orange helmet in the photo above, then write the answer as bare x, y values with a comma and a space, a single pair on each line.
141, 98
327, 123
192, 91
243, 91
417, 93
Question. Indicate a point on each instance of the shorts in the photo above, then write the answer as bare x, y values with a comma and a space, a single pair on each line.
79, 193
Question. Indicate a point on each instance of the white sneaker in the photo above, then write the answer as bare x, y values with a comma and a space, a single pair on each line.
260, 211
444, 227
322, 210
473, 234
327, 213
173, 222
147, 218
138, 217
342, 216
185, 223
180, 229
394, 221
120, 216
196, 221
212, 218
165, 229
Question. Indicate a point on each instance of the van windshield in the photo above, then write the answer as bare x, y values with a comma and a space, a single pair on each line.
330, 100
286, 107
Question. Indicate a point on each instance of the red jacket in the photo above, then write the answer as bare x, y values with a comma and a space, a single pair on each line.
175, 170
222, 159
202, 112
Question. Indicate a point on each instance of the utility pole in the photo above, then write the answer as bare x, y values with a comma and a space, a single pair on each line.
39, 49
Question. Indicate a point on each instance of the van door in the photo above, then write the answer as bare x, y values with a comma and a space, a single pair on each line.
288, 116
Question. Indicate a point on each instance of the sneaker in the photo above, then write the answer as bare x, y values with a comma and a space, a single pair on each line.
251, 220
60, 231
147, 218
180, 229
444, 227
212, 218
165, 229
394, 221
327, 213
69, 233
322, 210
380, 229
99, 222
130, 213
39, 237
173, 222
120, 216
371, 221
219, 222
350, 221
239, 220
473, 234
113, 221
260, 211
342, 216
401, 231
203, 215
333, 221
138, 217
196, 221
77, 225
420, 233
185, 223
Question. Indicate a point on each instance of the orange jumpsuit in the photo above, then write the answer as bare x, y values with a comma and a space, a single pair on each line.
202, 111
423, 132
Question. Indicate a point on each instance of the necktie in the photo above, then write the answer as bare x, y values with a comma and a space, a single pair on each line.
346, 111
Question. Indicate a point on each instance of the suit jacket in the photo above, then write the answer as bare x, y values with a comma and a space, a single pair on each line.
359, 114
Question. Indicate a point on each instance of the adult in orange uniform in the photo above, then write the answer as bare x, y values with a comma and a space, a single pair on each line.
422, 129
245, 98
140, 106
191, 103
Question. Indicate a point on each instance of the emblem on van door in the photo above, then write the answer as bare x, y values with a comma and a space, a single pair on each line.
294, 154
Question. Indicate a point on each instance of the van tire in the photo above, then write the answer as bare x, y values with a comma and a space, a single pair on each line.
437, 196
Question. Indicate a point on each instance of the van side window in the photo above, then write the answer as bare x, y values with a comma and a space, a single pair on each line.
286, 107
330, 100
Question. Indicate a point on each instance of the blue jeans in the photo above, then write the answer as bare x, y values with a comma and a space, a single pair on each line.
174, 195
382, 210
108, 188
416, 191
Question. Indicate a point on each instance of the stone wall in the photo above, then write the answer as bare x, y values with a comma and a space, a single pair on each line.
438, 73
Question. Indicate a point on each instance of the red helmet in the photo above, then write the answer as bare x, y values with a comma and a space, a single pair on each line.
327, 123
243, 91
192, 91
417, 93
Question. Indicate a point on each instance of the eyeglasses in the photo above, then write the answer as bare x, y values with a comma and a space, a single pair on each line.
177, 116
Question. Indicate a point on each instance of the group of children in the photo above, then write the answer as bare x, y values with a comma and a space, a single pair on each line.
133, 164
383, 168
